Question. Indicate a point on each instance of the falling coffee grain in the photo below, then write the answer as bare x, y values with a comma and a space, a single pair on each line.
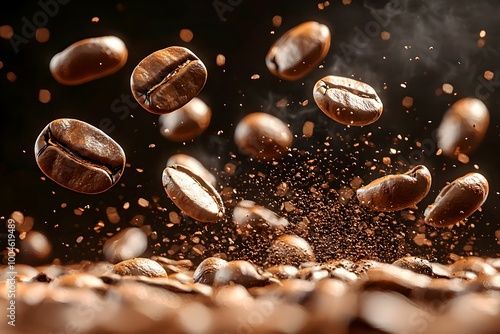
252, 218
167, 79
192, 194
88, 59
347, 101
396, 192
458, 200
299, 50
79, 156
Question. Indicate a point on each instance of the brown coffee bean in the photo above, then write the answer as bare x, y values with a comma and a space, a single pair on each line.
262, 136
240, 272
79, 280
290, 249
186, 123
35, 248
415, 264
192, 194
79, 156
88, 59
396, 192
299, 50
194, 165
283, 271
347, 101
139, 267
167, 79
458, 200
252, 218
463, 127
128, 243
206, 270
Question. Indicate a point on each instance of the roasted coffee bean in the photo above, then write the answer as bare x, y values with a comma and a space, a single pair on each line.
194, 165
192, 194
463, 127
240, 272
262, 136
139, 267
252, 218
186, 123
347, 101
79, 280
206, 270
35, 248
283, 271
299, 50
79, 156
167, 79
290, 249
396, 192
88, 59
415, 264
473, 264
458, 200
128, 243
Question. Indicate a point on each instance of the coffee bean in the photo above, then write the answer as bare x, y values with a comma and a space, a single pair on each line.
186, 123
290, 249
463, 127
79, 280
262, 136
194, 165
299, 50
128, 243
139, 267
240, 272
167, 79
252, 218
283, 271
192, 194
79, 156
88, 59
347, 101
458, 200
396, 192
206, 270
415, 264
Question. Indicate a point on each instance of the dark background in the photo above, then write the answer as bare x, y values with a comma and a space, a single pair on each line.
442, 34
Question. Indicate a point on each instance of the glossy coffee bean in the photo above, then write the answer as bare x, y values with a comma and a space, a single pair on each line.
240, 272
252, 218
463, 127
88, 59
167, 79
262, 136
127, 244
290, 249
194, 165
192, 194
79, 156
186, 123
299, 50
396, 192
347, 101
139, 267
458, 200
415, 264
206, 270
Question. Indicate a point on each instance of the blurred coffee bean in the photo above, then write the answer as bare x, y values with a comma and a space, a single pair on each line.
313, 274
79, 156
283, 271
88, 59
396, 192
79, 280
192, 194
139, 266
363, 265
167, 79
128, 243
186, 123
463, 127
174, 266
232, 296
290, 249
206, 270
194, 165
347, 101
473, 264
457, 200
23, 272
292, 291
252, 218
35, 248
415, 264
262, 136
299, 50
392, 278
240, 272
